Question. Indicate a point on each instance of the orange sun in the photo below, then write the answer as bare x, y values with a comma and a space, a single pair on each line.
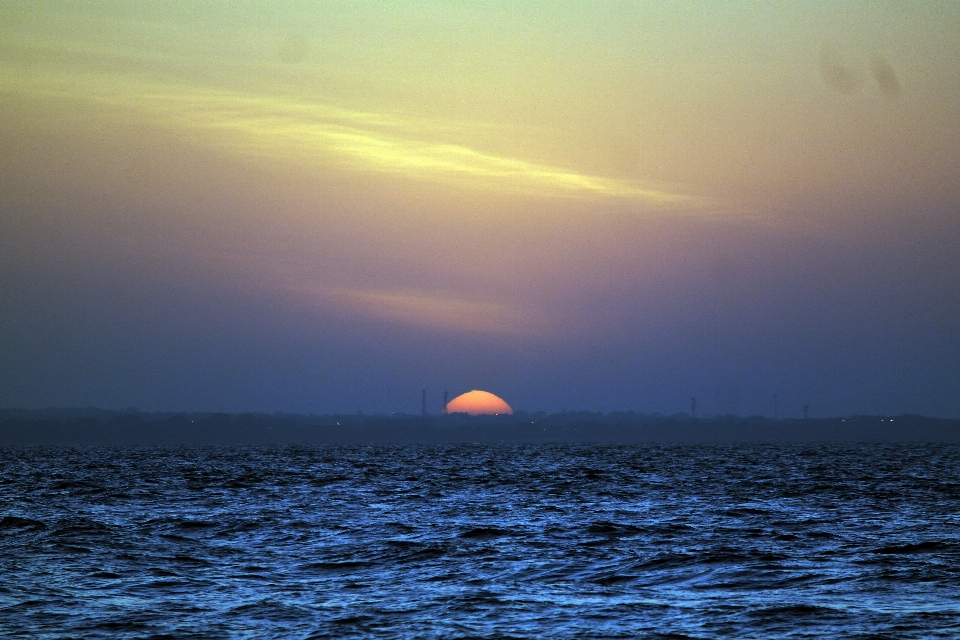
478, 403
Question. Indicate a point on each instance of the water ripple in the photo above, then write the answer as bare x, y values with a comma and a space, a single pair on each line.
481, 541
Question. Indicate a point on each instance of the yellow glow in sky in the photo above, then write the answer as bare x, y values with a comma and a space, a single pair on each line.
281, 126
750, 103
582, 112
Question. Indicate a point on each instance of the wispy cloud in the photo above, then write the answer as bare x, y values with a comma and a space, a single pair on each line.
289, 128
436, 311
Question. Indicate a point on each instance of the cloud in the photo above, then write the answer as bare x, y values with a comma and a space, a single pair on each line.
429, 310
288, 128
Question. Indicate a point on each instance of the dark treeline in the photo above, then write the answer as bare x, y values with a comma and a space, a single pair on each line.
130, 427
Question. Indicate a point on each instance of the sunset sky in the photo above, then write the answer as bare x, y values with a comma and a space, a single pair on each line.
329, 206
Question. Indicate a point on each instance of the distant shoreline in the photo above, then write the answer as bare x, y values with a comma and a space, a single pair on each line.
79, 427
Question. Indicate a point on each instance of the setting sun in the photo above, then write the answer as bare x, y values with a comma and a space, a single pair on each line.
478, 403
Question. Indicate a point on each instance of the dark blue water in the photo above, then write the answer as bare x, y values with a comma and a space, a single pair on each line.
481, 541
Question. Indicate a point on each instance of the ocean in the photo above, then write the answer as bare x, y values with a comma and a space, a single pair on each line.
481, 541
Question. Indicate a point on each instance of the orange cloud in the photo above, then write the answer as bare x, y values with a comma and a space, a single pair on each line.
428, 310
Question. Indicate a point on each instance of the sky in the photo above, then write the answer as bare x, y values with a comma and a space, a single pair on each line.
594, 206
